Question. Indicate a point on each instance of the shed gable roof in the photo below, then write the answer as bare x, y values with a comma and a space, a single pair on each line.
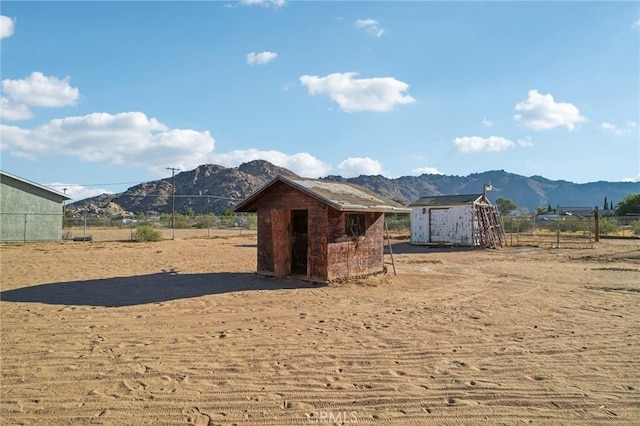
5, 175
445, 200
340, 196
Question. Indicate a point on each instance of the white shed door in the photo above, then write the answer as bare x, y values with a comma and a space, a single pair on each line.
439, 225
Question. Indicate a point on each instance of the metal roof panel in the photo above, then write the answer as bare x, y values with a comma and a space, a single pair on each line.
341, 196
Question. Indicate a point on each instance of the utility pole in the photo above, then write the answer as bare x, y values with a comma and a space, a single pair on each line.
64, 190
173, 201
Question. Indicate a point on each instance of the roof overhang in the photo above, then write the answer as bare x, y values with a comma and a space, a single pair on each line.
450, 200
343, 201
35, 185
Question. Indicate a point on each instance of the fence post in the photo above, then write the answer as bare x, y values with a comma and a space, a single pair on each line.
558, 226
596, 214
84, 231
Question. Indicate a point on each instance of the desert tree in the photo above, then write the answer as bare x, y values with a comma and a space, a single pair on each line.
505, 206
629, 205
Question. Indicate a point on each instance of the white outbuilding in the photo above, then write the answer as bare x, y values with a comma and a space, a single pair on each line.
459, 220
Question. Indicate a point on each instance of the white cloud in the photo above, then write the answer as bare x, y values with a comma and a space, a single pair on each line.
541, 112
356, 166
426, 171
41, 91
266, 3
363, 94
473, 144
12, 111
302, 164
635, 25
125, 138
487, 123
7, 26
77, 192
632, 179
617, 131
254, 58
370, 26
610, 127
525, 142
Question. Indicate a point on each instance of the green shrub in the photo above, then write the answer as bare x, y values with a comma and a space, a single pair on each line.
251, 221
608, 227
207, 221
182, 222
635, 227
145, 232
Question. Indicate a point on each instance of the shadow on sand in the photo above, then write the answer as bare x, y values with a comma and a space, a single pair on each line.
138, 290
405, 247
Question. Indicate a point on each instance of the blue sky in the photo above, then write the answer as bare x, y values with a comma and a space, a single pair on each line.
100, 96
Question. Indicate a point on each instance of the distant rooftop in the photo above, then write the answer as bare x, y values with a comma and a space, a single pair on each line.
445, 200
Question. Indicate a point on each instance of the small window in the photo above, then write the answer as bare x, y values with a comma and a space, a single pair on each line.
354, 225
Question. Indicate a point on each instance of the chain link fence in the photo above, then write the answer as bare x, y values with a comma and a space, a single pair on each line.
549, 230
29, 227
561, 230
118, 228
398, 223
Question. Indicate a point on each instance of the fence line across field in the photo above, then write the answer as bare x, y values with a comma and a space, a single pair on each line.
118, 228
557, 230
553, 231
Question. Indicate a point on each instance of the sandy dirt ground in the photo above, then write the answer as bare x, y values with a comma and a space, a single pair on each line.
183, 332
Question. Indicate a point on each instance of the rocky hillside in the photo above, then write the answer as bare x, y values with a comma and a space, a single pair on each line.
207, 188
212, 188
528, 193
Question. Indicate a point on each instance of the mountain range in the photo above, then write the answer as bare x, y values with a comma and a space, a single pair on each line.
215, 189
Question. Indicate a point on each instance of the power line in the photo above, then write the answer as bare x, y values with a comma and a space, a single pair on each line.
219, 197
95, 184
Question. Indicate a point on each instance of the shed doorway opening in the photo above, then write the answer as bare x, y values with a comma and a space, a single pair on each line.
299, 241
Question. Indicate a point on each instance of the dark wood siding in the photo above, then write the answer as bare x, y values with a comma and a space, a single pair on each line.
281, 237
284, 197
355, 256
318, 230
331, 254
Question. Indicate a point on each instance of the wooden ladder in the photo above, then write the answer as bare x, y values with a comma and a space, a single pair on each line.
386, 230
490, 228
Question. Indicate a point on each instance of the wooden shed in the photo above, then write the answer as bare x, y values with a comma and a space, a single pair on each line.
461, 220
319, 230
29, 211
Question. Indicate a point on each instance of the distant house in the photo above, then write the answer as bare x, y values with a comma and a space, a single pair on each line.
29, 211
449, 220
319, 230
563, 213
